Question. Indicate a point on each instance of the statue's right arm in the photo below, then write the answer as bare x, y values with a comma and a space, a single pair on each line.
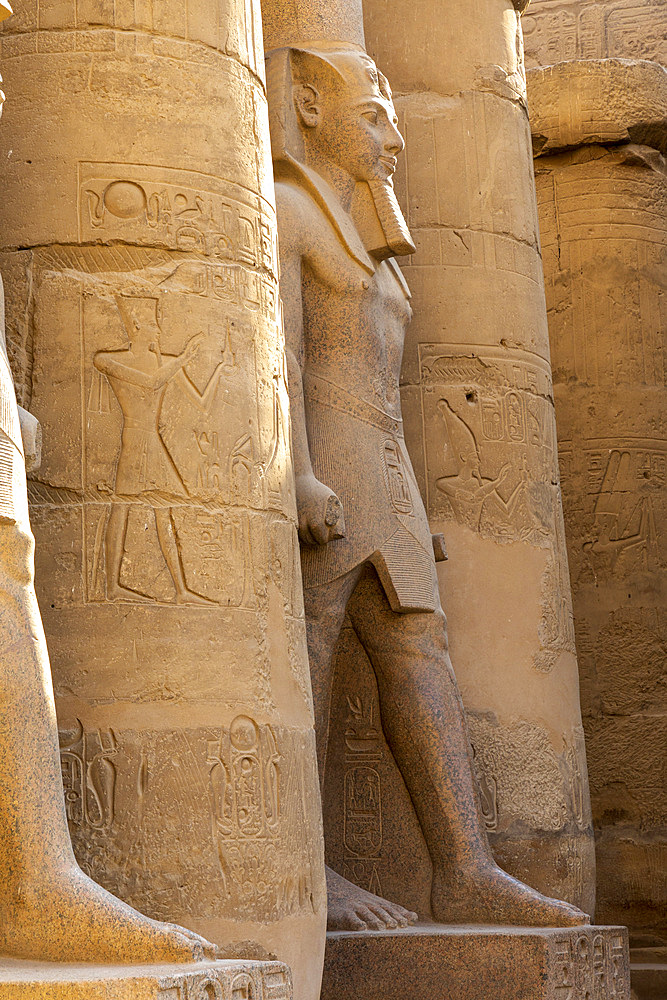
107, 363
319, 510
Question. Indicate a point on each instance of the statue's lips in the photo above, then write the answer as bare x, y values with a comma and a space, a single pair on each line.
389, 162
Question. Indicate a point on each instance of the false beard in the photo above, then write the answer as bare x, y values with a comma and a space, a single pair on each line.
379, 220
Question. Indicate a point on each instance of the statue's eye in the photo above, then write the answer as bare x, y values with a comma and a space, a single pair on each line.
371, 116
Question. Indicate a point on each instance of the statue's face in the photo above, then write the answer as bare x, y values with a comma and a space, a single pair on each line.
144, 336
358, 131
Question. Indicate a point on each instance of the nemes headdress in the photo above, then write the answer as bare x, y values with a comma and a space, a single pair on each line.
331, 66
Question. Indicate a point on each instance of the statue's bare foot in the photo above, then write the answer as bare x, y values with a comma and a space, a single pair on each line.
66, 917
353, 909
118, 593
190, 597
488, 895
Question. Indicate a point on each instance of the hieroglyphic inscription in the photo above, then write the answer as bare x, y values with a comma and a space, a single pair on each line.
179, 209
265, 981
258, 819
591, 966
631, 29
244, 781
492, 466
177, 30
246, 849
89, 776
556, 627
487, 786
362, 816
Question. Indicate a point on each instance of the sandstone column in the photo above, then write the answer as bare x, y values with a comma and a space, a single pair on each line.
599, 131
139, 256
478, 408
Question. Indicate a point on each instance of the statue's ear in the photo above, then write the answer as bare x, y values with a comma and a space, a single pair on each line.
307, 104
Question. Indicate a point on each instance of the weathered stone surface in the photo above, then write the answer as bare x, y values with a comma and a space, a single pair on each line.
649, 980
598, 101
139, 243
478, 962
603, 219
557, 30
479, 425
228, 980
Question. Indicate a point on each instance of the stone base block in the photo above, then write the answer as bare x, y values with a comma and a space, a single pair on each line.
222, 980
649, 980
478, 963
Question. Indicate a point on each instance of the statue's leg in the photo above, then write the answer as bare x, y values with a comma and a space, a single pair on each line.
166, 533
49, 910
424, 722
349, 907
114, 547
325, 611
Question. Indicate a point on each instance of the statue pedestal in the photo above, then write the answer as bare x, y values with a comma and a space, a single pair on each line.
478, 963
221, 980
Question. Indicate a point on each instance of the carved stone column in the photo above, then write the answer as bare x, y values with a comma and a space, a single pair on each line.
478, 409
139, 255
602, 192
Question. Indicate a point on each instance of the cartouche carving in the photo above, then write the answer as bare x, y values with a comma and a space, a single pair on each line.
270, 982
591, 966
89, 777
335, 145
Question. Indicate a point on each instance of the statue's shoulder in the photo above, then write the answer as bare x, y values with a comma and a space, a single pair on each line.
290, 195
294, 203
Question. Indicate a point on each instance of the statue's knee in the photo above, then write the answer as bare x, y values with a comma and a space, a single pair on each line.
17, 548
439, 629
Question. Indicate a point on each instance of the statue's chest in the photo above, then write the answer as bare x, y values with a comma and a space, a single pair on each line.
339, 288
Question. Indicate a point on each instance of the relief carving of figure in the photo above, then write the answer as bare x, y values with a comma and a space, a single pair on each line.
49, 910
139, 375
468, 489
366, 545
623, 520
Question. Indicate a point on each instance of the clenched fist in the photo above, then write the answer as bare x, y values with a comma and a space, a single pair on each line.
319, 510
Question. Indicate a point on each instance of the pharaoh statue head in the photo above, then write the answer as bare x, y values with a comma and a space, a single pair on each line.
331, 107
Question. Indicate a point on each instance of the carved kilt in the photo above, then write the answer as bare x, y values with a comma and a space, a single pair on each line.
359, 451
13, 499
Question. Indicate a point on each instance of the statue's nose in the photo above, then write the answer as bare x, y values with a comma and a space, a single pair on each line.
394, 143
